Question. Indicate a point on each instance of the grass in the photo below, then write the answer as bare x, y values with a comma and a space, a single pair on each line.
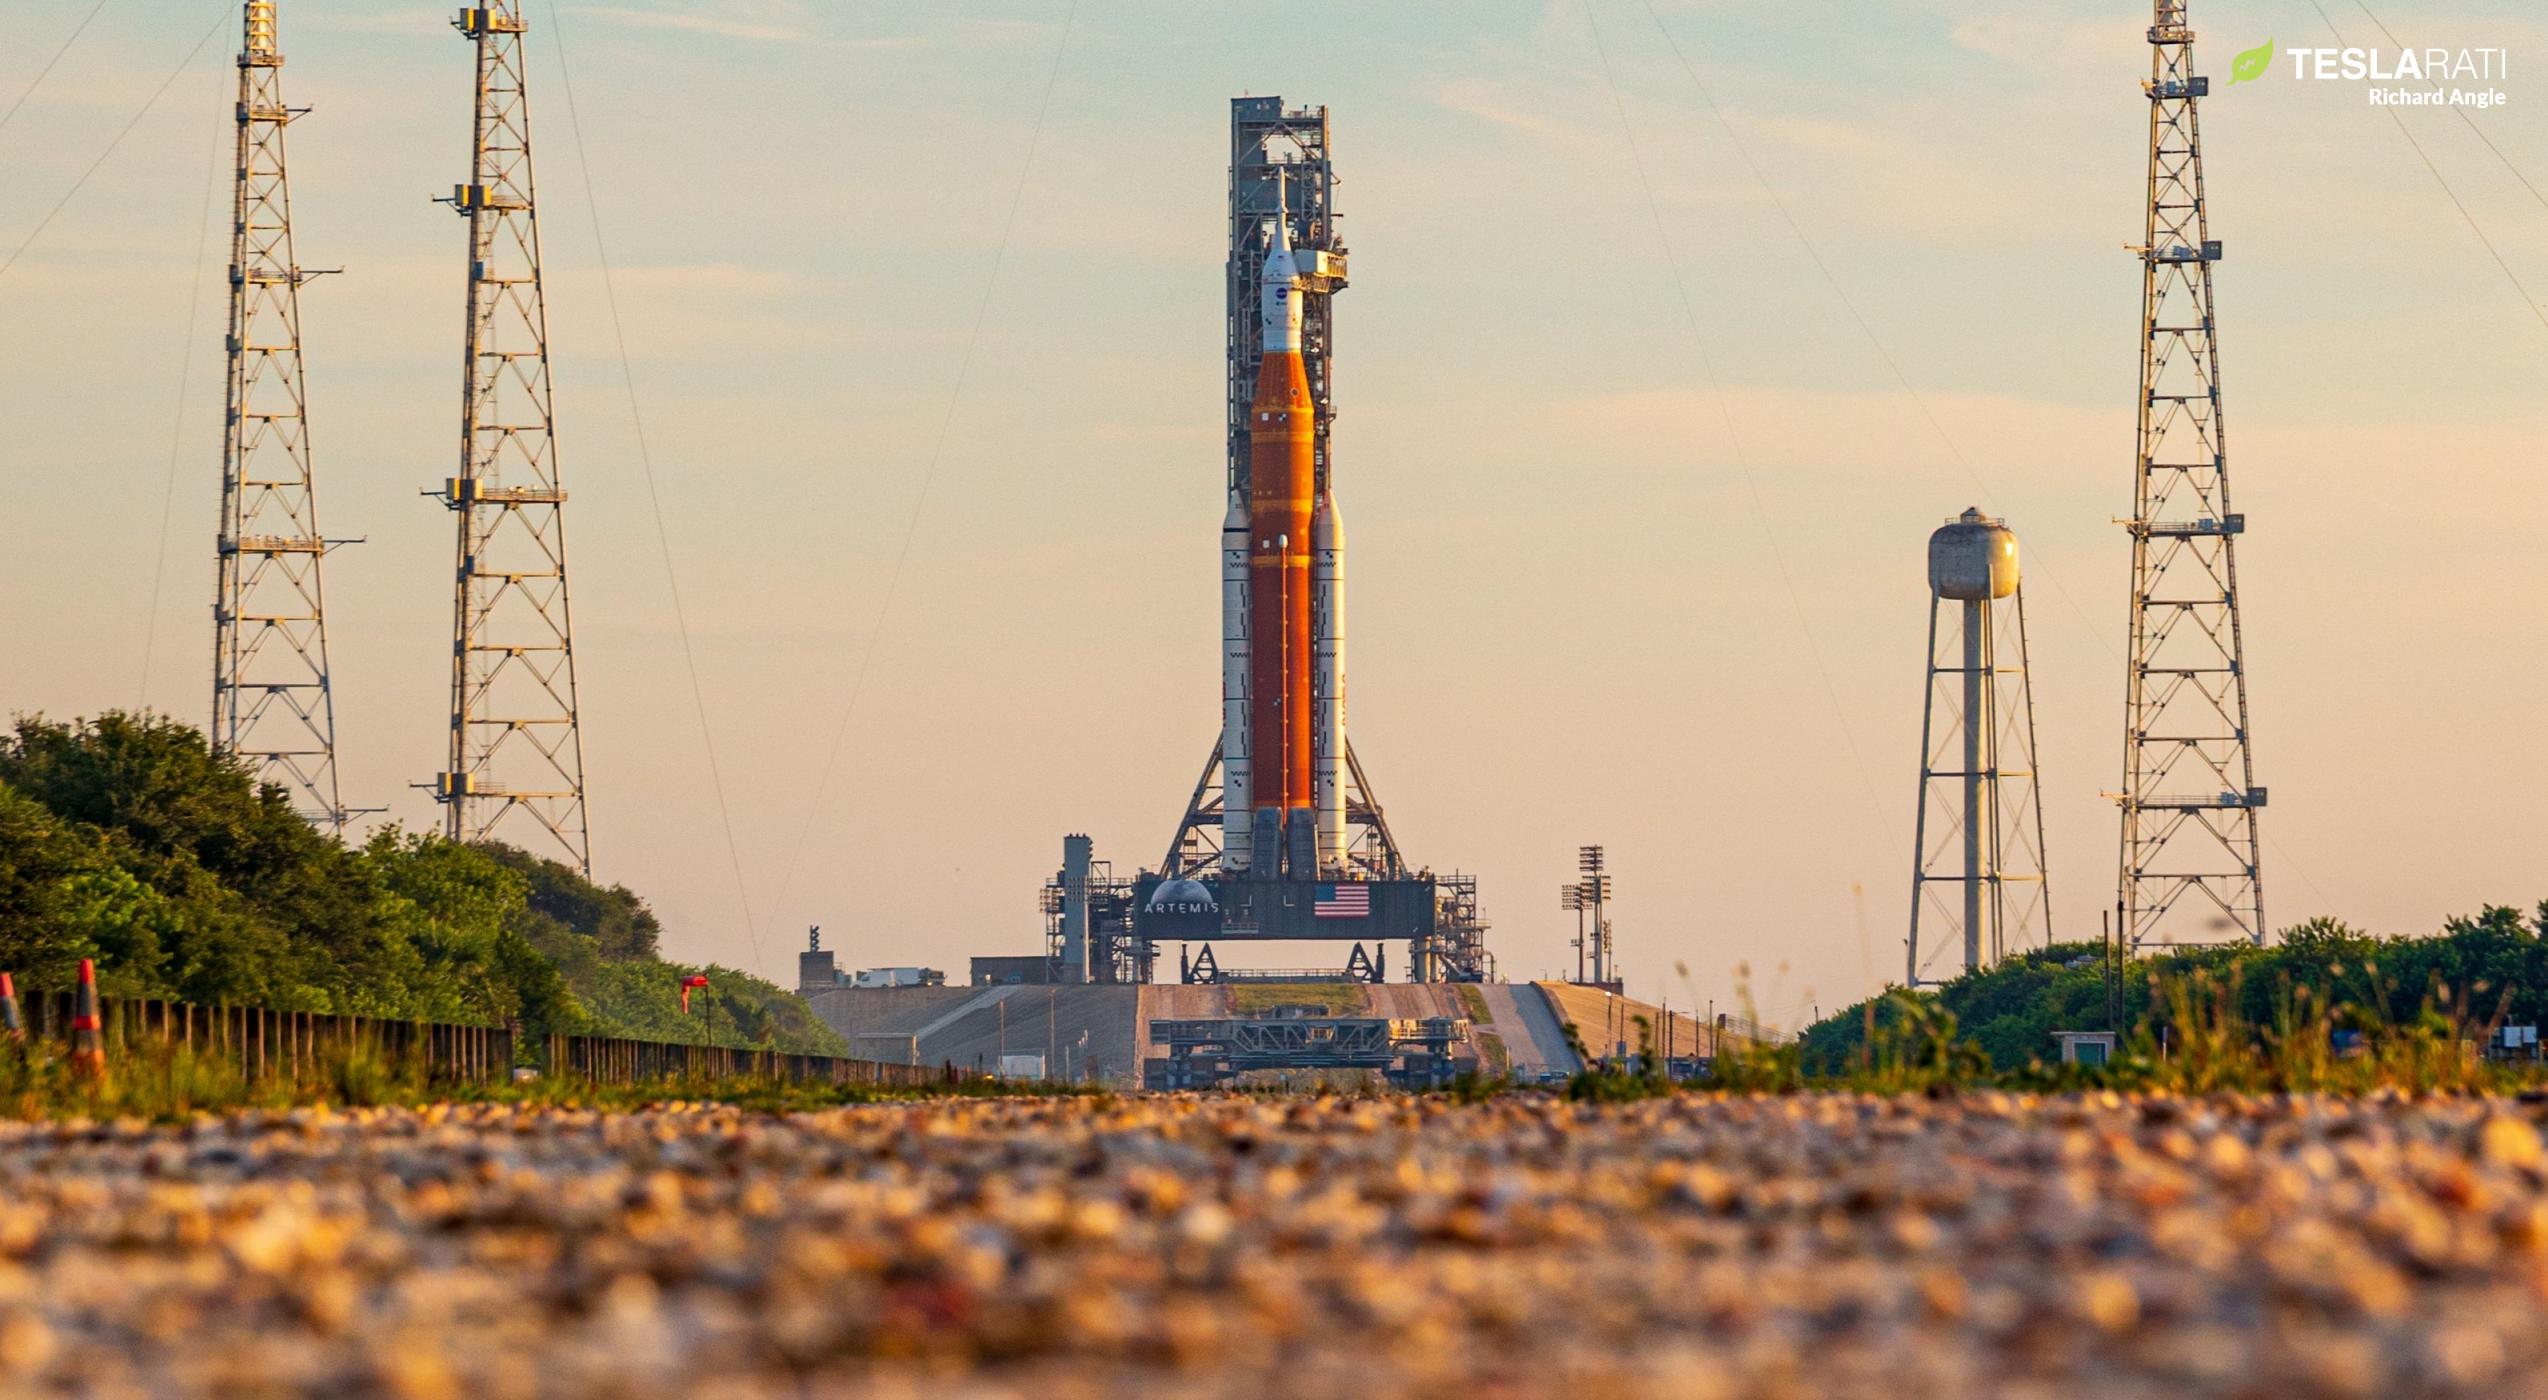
1340, 998
173, 1084
2194, 1039
1474, 1002
1618, 1080
2208, 1046
2211, 1047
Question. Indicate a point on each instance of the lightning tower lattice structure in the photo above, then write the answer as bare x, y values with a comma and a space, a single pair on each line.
2189, 871
272, 705
516, 766
1978, 885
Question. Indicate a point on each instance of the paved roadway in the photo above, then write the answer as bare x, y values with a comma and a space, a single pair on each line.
1534, 1042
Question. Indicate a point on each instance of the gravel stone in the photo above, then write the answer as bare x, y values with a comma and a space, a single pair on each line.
1207, 1246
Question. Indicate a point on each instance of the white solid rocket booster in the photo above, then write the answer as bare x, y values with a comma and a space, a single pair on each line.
1327, 590
1236, 835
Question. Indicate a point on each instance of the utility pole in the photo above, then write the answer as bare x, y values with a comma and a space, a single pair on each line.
516, 766
2111, 951
272, 707
2189, 869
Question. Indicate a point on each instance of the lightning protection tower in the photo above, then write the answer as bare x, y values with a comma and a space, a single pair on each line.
2189, 870
516, 767
1977, 877
271, 704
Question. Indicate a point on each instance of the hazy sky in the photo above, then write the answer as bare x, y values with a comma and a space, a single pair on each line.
1573, 615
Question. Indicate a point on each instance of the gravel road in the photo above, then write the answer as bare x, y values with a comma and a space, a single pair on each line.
1236, 1246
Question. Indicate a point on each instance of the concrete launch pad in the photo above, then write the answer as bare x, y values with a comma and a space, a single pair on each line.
1102, 1032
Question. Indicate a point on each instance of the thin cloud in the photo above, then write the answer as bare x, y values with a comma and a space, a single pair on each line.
763, 24
2037, 41
724, 279
695, 23
1524, 112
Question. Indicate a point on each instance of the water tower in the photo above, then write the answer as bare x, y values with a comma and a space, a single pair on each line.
1977, 881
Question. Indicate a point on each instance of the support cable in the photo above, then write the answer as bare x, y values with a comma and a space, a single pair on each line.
220, 14
185, 378
47, 70
937, 453
1849, 304
2079, 612
654, 498
1742, 459
2527, 299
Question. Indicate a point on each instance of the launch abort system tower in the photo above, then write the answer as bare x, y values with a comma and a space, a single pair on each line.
2189, 871
1977, 880
1282, 839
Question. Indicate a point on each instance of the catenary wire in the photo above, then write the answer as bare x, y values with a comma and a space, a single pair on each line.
654, 497
2460, 112
47, 70
77, 185
929, 470
2528, 301
2088, 625
185, 380
1733, 438
1848, 303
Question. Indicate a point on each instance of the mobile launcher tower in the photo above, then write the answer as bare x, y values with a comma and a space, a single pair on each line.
1282, 839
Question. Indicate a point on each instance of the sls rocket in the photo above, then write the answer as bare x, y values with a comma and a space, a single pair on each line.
1327, 542
1282, 615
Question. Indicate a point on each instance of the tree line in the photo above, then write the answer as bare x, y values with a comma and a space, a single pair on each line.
126, 839
2478, 971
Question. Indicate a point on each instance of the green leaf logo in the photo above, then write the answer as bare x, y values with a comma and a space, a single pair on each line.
2252, 63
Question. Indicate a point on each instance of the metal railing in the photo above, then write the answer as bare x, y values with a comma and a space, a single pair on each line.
265, 1045
604, 1059
295, 1047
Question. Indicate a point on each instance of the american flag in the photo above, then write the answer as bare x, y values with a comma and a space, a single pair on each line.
1342, 902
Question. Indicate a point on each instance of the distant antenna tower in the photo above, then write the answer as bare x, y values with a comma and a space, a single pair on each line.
517, 753
2189, 872
271, 704
1977, 877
